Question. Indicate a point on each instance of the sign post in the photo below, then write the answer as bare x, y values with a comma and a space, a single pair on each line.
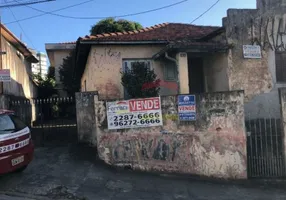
187, 107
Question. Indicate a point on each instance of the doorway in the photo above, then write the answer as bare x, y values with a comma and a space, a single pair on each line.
196, 76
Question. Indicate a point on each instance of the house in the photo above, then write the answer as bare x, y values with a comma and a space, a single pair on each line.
18, 59
56, 53
178, 53
197, 58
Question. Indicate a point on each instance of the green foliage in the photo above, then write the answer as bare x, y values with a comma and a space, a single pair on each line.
135, 79
69, 79
51, 73
110, 25
46, 86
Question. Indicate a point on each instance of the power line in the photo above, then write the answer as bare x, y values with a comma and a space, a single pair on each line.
206, 11
22, 29
25, 3
72, 17
35, 16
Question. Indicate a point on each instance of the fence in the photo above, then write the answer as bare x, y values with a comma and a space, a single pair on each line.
51, 120
265, 148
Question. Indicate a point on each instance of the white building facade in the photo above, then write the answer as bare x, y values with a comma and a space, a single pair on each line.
42, 66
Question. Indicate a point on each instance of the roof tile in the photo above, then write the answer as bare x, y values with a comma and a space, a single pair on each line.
160, 32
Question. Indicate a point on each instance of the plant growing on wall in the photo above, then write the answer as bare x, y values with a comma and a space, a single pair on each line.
134, 81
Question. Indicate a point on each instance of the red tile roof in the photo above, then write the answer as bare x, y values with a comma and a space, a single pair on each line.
160, 32
72, 42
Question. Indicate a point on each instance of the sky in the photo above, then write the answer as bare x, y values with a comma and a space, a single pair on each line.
52, 29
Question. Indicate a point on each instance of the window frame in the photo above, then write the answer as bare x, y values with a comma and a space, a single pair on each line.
175, 79
129, 61
280, 68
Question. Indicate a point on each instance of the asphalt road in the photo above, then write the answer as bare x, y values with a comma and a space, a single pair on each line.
74, 172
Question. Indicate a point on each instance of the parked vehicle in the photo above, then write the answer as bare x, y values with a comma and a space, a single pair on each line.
16, 146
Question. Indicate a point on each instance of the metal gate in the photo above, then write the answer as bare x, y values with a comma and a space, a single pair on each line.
52, 121
265, 148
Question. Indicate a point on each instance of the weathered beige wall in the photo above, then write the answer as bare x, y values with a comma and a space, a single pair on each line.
102, 72
21, 74
265, 26
214, 145
216, 72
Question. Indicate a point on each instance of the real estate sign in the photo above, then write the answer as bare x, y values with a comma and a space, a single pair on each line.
136, 113
187, 107
252, 51
5, 75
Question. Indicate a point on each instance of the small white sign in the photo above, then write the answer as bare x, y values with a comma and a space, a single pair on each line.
5, 75
252, 51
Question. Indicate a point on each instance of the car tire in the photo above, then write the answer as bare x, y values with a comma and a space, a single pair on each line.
21, 169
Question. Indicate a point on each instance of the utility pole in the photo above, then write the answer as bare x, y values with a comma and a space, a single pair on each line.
14, 4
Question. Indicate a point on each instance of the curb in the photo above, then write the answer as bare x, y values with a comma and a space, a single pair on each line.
23, 195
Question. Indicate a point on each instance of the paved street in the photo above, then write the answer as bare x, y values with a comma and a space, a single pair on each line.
73, 172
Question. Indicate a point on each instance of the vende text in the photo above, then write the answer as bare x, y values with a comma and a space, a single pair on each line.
144, 104
187, 108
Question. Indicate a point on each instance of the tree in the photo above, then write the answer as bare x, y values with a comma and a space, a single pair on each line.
136, 80
46, 86
110, 25
70, 82
51, 73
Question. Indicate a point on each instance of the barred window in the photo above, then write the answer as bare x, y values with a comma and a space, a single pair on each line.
280, 58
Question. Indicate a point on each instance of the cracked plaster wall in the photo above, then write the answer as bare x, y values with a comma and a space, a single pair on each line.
264, 26
213, 146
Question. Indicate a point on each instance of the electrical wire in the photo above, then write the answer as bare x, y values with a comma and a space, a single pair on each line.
118, 16
206, 11
22, 28
24, 3
35, 16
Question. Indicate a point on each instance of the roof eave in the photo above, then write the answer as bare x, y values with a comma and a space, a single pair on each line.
194, 49
124, 42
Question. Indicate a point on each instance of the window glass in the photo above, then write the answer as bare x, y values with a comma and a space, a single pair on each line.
170, 71
280, 58
19, 124
6, 125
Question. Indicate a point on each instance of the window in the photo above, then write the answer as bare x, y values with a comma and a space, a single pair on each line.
280, 58
127, 64
85, 85
170, 71
19, 125
6, 125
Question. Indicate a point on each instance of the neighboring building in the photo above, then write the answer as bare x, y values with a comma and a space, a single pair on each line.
56, 53
42, 66
199, 58
18, 59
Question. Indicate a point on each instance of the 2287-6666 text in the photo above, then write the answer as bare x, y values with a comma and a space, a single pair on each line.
137, 119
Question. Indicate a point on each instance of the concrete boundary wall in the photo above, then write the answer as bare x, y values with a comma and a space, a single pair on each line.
212, 146
86, 117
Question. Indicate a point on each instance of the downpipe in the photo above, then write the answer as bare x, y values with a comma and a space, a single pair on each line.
177, 65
